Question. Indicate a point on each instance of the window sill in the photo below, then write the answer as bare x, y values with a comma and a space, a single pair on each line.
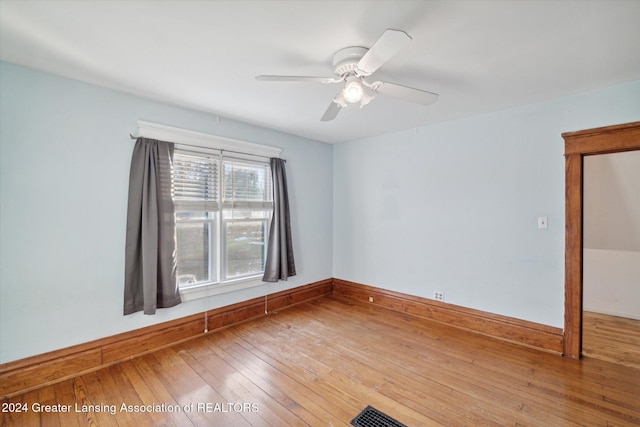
207, 290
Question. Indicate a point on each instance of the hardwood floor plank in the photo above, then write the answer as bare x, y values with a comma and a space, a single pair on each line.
611, 338
65, 393
233, 387
17, 411
296, 363
188, 388
550, 383
305, 356
140, 393
152, 388
285, 389
87, 394
456, 383
322, 362
453, 345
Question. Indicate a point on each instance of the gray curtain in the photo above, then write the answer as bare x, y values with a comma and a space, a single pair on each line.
280, 263
150, 254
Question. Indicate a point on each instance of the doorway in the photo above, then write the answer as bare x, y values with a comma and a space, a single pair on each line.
611, 258
610, 139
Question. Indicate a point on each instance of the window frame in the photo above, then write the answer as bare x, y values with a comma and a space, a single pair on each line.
241, 150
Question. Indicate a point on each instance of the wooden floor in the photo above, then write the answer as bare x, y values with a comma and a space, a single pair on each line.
611, 338
321, 363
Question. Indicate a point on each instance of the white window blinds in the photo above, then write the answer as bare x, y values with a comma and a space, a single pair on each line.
196, 181
247, 184
199, 163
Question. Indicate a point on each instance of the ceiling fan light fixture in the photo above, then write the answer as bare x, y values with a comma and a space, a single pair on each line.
353, 92
339, 99
355, 63
366, 98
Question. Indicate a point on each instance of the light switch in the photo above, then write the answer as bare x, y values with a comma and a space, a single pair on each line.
542, 222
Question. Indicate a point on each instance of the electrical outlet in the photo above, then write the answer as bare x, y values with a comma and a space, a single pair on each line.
370, 299
438, 296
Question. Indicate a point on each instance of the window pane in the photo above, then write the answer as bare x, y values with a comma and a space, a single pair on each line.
193, 252
246, 181
245, 248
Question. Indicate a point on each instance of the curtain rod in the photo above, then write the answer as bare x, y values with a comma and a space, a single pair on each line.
223, 151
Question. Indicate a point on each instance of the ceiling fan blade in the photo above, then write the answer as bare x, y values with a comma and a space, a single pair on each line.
332, 112
389, 43
263, 78
405, 93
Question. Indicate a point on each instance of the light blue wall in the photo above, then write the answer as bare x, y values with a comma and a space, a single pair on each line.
450, 207
64, 168
453, 207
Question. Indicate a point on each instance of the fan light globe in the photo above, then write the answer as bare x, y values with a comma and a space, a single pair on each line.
353, 92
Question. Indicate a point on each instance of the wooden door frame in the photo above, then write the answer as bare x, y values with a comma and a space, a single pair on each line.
604, 140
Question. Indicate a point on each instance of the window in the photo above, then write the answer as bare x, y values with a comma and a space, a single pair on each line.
223, 207
246, 211
195, 185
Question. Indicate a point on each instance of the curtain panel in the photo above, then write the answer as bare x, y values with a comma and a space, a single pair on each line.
150, 253
280, 263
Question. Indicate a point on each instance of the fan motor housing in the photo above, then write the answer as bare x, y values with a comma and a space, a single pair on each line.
345, 60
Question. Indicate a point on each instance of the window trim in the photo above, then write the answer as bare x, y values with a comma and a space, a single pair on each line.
240, 149
205, 140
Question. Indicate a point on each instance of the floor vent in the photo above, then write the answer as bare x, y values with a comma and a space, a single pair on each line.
371, 417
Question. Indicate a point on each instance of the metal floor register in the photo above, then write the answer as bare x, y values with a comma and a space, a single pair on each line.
371, 417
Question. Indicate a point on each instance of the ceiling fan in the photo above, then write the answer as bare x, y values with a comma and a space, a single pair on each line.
352, 65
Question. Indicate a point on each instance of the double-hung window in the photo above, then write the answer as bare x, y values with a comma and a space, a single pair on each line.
223, 202
246, 212
223, 207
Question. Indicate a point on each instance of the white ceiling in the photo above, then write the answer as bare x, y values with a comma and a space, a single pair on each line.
480, 56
